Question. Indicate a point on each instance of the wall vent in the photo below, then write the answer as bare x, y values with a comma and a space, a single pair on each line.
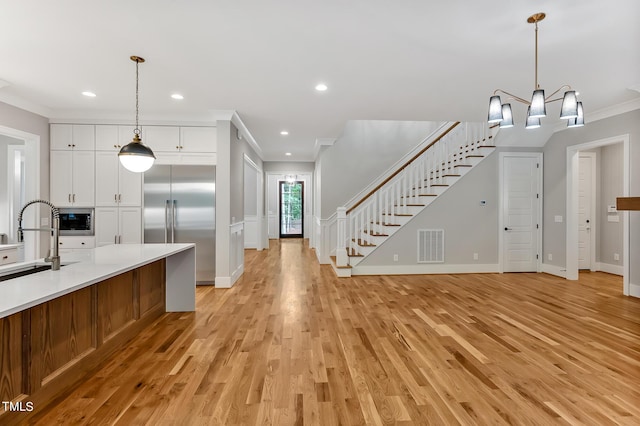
430, 245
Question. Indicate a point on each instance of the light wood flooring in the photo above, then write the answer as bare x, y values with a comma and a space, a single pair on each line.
292, 344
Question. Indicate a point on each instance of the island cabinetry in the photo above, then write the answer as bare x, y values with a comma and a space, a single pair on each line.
47, 349
12, 359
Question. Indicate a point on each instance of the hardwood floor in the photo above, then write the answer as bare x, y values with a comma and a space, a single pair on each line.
292, 344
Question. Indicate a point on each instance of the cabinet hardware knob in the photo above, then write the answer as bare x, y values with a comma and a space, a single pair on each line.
5, 257
73, 144
115, 146
177, 147
69, 145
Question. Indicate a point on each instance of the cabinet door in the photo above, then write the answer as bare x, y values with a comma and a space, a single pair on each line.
161, 138
60, 181
83, 178
198, 139
107, 138
130, 187
107, 165
61, 136
130, 219
83, 137
106, 225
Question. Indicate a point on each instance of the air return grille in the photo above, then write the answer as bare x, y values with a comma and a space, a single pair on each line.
430, 245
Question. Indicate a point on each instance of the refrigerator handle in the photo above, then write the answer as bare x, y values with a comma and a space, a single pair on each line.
173, 221
166, 220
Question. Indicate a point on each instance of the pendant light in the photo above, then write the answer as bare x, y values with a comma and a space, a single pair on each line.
135, 156
571, 109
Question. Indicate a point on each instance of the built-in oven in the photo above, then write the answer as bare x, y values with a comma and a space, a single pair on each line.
76, 221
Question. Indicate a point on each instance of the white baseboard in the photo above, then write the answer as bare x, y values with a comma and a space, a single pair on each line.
609, 268
424, 269
223, 282
558, 271
634, 290
228, 282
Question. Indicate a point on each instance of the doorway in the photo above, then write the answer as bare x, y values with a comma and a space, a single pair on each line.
572, 208
520, 212
291, 196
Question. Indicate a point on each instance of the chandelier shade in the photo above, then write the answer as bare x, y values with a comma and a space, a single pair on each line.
569, 107
135, 156
507, 117
495, 109
570, 110
537, 108
579, 120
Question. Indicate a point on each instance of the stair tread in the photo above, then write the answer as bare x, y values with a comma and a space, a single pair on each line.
363, 243
463, 165
398, 214
376, 234
386, 224
410, 205
486, 146
475, 156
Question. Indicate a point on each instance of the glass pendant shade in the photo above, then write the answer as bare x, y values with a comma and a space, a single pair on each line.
507, 117
532, 122
569, 105
135, 156
537, 108
579, 120
495, 109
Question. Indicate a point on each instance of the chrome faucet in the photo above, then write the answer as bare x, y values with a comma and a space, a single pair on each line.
55, 232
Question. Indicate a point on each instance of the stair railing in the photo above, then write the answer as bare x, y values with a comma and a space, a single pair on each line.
418, 178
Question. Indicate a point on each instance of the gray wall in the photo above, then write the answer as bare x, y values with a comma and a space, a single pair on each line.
25, 121
239, 147
365, 150
250, 191
610, 181
555, 160
468, 227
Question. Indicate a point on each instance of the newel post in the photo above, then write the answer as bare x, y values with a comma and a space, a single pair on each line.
342, 259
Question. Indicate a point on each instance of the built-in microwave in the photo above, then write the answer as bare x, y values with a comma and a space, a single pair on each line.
76, 221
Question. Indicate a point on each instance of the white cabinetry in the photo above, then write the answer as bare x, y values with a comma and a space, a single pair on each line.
73, 137
111, 137
72, 178
115, 185
198, 139
8, 254
118, 225
161, 138
75, 244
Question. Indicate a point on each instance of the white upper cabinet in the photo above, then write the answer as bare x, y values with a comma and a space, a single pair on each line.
198, 139
80, 137
110, 137
161, 138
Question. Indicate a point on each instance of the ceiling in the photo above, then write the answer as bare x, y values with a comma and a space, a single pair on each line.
381, 60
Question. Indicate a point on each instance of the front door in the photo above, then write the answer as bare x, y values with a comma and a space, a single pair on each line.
520, 212
291, 209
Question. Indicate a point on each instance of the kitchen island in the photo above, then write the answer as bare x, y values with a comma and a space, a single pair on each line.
57, 326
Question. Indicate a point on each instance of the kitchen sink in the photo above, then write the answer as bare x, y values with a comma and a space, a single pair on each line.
26, 270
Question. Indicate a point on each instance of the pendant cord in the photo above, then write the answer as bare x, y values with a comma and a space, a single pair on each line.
536, 82
137, 129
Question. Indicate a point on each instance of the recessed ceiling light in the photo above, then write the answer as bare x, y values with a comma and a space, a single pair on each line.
89, 94
288, 154
177, 96
284, 133
321, 87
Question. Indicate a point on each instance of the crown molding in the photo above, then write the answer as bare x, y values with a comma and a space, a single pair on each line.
607, 112
24, 104
246, 134
320, 142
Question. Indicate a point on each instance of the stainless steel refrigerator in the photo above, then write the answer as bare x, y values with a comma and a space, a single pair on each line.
180, 207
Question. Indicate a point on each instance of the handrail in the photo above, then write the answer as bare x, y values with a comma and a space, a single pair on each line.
401, 168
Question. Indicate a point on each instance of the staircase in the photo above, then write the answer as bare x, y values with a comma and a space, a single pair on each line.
374, 218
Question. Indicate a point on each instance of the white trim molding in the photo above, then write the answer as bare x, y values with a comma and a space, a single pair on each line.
609, 268
558, 271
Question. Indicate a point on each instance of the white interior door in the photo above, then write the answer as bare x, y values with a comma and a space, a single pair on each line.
520, 212
586, 172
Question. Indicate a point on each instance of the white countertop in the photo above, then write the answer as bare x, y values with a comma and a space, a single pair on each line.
94, 265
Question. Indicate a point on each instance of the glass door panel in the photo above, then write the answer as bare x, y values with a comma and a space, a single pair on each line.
291, 209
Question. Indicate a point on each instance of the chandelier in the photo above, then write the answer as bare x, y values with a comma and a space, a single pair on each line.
135, 156
571, 109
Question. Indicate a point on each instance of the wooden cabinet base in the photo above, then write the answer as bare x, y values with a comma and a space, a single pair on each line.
48, 349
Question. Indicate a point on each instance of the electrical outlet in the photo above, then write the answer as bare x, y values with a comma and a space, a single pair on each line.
475, 256
550, 256
395, 257
616, 256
